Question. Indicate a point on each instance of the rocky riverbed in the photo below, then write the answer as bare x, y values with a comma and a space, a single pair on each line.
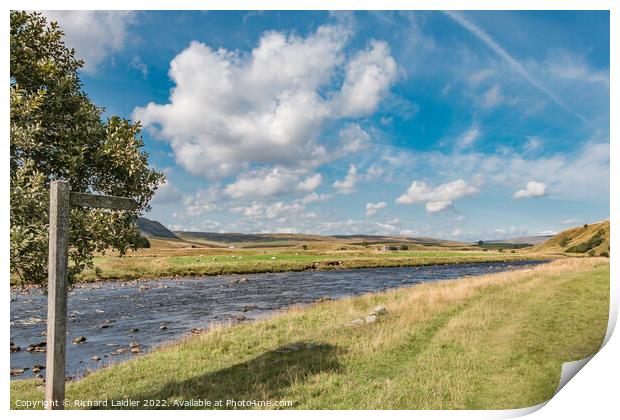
112, 321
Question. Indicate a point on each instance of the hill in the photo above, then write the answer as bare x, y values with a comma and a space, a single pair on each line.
275, 240
592, 239
154, 229
523, 240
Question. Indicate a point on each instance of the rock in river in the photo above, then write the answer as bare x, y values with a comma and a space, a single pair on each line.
18, 371
95, 358
79, 340
37, 348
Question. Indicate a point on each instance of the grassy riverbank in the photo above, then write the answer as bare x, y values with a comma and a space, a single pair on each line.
197, 262
494, 341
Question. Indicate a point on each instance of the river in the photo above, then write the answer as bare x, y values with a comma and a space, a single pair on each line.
113, 315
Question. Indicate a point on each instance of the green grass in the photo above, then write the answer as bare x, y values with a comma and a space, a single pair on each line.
487, 342
206, 262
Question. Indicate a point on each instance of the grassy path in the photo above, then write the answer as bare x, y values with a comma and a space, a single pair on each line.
494, 341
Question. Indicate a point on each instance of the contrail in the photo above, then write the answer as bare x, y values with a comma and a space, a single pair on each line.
502, 53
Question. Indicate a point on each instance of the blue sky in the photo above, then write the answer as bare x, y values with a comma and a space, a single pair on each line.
461, 125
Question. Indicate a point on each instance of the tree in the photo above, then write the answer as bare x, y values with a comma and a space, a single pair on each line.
404, 247
58, 133
480, 242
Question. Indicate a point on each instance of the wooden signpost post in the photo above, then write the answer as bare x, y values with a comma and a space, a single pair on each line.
61, 201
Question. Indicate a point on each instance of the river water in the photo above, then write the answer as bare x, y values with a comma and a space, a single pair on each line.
180, 305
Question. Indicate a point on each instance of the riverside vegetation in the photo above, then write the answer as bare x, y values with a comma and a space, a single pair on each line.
495, 341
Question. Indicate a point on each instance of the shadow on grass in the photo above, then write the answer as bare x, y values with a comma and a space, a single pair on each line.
266, 377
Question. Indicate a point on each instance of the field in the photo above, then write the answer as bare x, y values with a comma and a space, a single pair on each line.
169, 261
494, 341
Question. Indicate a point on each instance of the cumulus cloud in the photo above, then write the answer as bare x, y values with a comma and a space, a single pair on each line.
229, 110
347, 185
438, 198
368, 77
315, 198
353, 138
373, 172
531, 190
94, 34
268, 182
201, 202
311, 182
373, 208
166, 193
258, 210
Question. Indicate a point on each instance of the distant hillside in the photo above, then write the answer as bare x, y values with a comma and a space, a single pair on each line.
592, 239
379, 239
527, 240
154, 229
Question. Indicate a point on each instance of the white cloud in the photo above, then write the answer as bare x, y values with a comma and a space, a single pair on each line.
547, 233
94, 34
438, 198
532, 144
268, 182
315, 198
347, 185
139, 65
166, 193
567, 66
570, 221
373, 208
230, 110
481, 76
258, 210
562, 173
368, 77
202, 202
492, 97
311, 182
373, 172
468, 138
353, 138
532, 189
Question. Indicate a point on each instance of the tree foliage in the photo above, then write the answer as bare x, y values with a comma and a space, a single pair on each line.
58, 133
